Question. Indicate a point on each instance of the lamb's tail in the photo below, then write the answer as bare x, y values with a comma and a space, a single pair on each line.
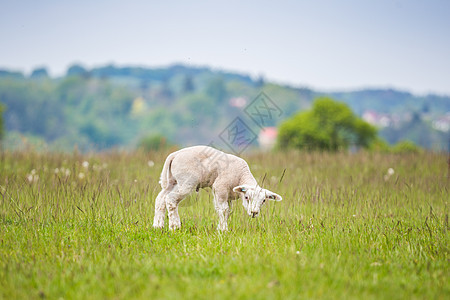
166, 178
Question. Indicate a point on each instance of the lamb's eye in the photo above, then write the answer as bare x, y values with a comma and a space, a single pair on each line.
264, 200
246, 197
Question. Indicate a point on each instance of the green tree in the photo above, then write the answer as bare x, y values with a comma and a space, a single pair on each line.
380, 145
154, 142
39, 73
188, 84
77, 70
330, 125
406, 146
216, 89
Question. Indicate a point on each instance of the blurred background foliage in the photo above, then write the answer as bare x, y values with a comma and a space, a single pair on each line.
1, 122
128, 107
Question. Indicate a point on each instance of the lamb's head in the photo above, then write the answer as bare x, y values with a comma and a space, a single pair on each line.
253, 197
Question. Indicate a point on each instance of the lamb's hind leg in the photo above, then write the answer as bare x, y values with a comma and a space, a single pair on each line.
173, 198
160, 209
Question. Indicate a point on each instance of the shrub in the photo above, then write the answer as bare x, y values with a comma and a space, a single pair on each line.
154, 142
406, 147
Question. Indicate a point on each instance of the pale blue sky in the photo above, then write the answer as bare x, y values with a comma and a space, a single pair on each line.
323, 44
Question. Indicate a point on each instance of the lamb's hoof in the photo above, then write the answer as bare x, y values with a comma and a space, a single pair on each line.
158, 224
174, 226
222, 228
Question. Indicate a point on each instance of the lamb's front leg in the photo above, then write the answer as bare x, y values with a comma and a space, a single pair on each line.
223, 210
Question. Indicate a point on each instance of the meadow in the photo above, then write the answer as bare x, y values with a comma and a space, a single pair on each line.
350, 226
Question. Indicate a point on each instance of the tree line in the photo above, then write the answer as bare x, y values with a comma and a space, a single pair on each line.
108, 107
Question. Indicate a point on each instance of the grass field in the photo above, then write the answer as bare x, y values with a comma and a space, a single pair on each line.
80, 227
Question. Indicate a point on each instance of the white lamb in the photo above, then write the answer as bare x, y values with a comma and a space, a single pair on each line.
198, 167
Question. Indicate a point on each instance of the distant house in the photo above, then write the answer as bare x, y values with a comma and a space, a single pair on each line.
442, 123
238, 102
267, 137
377, 119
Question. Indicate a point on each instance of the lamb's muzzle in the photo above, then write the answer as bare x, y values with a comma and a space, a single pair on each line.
197, 167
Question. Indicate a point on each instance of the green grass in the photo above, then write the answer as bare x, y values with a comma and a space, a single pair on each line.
343, 230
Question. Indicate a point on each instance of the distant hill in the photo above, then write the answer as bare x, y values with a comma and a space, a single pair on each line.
114, 106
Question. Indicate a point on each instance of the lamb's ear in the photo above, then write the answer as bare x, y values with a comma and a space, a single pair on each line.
273, 196
240, 189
